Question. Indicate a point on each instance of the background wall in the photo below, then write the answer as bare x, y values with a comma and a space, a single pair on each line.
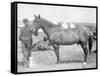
5, 38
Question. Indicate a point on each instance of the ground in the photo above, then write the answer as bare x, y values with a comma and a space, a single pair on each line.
71, 57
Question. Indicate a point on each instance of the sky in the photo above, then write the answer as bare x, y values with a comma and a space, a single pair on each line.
57, 13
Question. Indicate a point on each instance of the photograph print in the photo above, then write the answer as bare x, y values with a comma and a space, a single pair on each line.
55, 37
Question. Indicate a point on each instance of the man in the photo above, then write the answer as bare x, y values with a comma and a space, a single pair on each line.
25, 37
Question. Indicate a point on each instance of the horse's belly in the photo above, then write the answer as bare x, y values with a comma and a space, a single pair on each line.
65, 40
70, 37
69, 42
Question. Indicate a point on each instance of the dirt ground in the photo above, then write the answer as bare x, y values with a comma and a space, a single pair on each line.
71, 57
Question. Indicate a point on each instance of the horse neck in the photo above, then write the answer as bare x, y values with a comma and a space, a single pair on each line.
45, 30
46, 26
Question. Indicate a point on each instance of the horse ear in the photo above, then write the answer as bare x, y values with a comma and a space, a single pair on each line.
39, 16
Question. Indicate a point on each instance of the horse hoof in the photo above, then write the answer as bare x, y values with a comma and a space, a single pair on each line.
84, 63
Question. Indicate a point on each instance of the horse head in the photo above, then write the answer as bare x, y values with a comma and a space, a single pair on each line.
36, 25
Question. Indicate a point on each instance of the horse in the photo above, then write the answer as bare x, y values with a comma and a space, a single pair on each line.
59, 36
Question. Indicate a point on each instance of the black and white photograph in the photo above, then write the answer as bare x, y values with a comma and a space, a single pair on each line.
55, 37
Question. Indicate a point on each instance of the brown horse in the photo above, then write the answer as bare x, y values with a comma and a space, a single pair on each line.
59, 36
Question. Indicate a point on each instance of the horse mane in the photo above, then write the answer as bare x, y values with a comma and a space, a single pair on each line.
49, 23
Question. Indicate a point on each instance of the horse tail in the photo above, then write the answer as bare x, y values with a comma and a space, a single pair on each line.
90, 43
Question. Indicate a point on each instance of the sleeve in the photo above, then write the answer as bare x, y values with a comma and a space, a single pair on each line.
20, 33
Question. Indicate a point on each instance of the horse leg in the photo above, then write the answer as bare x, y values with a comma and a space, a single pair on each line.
56, 49
84, 47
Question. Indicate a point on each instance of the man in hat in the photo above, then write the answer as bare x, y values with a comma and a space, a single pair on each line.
26, 40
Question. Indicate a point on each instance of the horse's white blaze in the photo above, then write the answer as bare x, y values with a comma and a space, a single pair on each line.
64, 25
72, 25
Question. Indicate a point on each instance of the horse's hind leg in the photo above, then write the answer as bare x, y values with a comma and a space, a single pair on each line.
56, 49
84, 47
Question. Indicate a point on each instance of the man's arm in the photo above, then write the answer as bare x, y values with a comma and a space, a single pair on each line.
20, 33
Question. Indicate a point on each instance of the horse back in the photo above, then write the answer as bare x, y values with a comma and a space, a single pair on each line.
64, 36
